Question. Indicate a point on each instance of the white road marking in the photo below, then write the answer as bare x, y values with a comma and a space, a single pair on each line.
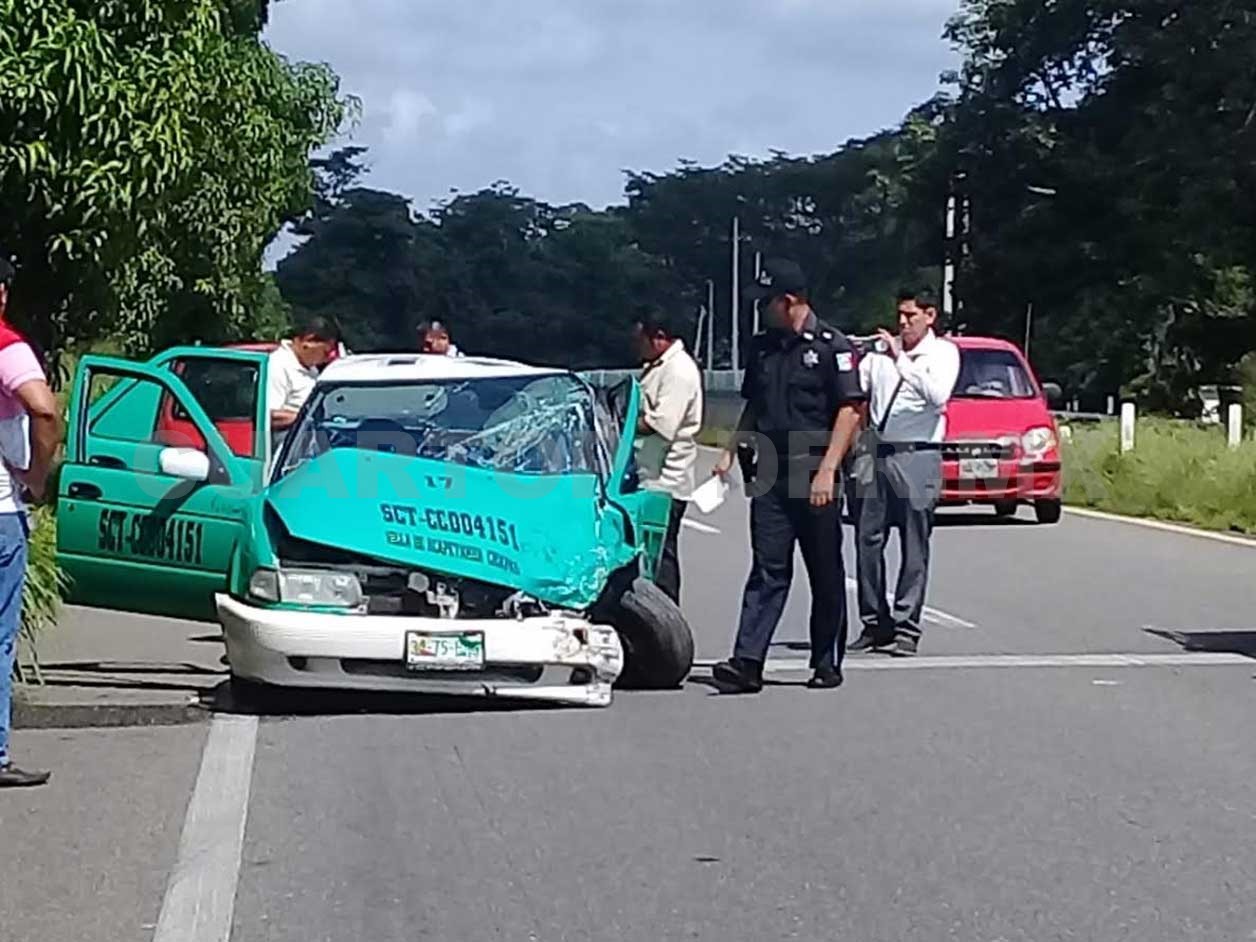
944, 618
1161, 525
700, 527
1197, 659
935, 615
200, 896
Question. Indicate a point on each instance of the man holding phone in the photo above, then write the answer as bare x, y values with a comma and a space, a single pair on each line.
908, 380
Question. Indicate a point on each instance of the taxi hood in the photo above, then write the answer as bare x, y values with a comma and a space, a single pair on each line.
551, 536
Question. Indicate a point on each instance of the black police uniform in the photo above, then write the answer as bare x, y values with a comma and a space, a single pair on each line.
796, 382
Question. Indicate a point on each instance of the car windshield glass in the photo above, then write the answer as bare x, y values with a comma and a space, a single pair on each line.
993, 374
519, 424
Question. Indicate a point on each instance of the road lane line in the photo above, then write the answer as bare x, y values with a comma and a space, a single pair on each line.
200, 895
700, 527
935, 615
1162, 525
953, 662
945, 618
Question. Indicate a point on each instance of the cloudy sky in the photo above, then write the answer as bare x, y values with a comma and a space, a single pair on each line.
561, 96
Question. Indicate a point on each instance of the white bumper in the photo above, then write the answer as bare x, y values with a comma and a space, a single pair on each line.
559, 658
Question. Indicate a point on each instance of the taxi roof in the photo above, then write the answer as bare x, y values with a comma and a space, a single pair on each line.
417, 367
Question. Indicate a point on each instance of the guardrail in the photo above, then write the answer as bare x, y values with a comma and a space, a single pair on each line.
729, 381
1082, 417
718, 381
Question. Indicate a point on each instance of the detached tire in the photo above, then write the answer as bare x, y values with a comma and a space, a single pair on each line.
1048, 511
658, 644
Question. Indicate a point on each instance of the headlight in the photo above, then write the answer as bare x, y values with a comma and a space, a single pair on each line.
338, 589
264, 585
1037, 442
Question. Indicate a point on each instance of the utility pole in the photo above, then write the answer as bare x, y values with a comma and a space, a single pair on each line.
736, 293
710, 325
1029, 325
948, 277
965, 231
758, 270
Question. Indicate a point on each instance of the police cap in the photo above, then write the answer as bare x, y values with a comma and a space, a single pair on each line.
779, 276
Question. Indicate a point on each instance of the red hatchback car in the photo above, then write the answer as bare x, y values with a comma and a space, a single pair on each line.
1002, 445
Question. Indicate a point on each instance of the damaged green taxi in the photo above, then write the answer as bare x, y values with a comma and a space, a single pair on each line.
429, 524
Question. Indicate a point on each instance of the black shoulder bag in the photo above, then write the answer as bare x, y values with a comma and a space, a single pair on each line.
869, 441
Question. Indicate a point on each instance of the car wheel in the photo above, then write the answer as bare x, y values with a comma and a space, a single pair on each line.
1005, 508
1048, 511
658, 643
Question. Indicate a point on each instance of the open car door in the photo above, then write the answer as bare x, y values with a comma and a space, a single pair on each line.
649, 510
152, 495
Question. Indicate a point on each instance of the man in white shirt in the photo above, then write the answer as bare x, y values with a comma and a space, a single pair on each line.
667, 427
909, 380
293, 370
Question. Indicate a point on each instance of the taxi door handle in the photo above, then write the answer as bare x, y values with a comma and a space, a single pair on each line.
81, 491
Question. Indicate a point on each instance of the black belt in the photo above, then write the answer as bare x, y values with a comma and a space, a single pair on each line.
909, 446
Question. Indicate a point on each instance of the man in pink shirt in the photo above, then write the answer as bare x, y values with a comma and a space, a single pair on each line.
30, 430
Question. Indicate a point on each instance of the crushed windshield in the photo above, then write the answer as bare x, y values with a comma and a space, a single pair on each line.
519, 424
993, 374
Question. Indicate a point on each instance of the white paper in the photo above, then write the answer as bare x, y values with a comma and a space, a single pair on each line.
710, 495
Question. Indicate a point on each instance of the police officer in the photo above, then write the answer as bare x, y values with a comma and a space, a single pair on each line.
802, 412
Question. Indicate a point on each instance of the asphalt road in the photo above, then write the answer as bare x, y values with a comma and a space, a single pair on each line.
1072, 759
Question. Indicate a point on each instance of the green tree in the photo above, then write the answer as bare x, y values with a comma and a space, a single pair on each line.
149, 151
359, 265
1140, 117
514, 277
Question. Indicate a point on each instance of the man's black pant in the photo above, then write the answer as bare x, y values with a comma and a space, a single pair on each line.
668, 576
777, 522
902, 495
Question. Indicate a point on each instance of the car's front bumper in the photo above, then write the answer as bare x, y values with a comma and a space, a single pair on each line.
560, 658
1016, 480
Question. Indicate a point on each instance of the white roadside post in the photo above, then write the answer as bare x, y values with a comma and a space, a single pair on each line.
1111, 405
1234, 425
1128, 414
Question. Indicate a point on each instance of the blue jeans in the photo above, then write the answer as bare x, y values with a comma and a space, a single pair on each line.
13, 537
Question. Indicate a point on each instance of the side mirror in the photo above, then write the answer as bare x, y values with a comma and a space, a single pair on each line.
190, 464
1054, 394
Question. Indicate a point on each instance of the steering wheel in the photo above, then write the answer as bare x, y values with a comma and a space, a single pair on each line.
386, 435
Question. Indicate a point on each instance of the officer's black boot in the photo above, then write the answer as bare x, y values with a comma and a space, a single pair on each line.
738, 675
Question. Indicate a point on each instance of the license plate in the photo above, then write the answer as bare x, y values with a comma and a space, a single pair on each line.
463, 651
979, 469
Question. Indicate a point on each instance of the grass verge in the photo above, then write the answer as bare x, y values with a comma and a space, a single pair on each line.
1178, 471
41, 593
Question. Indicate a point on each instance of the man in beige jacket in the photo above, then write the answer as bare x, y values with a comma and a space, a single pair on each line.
667, 429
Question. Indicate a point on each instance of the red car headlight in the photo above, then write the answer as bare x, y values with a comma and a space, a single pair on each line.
1038, 441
